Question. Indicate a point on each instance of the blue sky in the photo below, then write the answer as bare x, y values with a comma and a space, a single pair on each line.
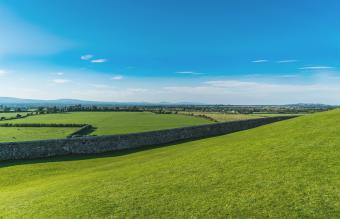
217, 51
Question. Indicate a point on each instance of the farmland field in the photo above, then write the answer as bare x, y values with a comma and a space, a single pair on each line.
224, 117
288, 169
105, 122
12, 134
227, 117
10, 115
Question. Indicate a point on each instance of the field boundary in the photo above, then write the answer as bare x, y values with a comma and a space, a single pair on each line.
32, 125
110, 143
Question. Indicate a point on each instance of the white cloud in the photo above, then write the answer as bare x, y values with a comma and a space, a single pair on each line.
100, 86
61, 81
288, 76
287, 61
137, 90
189, 73
3, 72
113, 94
117, 78
99, 60
60, 73
259, 61
86, 57
316, 67
230, 83
253, 92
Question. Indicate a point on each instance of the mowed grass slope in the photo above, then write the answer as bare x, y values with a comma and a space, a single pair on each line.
117, 122
288, 169
12, 134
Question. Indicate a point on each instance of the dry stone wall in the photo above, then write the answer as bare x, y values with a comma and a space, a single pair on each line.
101, 144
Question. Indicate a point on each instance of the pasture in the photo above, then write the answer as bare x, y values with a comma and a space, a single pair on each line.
288, 169
227, 117
106, 123
224, 117
11, 115
12, 134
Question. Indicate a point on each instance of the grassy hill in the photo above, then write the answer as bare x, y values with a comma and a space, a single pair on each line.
288, 169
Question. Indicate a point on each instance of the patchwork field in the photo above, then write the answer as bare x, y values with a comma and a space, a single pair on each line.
106, 123
12, 134
227, 117
10, 115
288, 169
223, 117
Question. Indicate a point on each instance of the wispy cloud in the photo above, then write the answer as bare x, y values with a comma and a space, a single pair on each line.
287, 61
100, 86
89, 57
99, 60
230, 83
288, 76
61, 81
3, 72
316, 67
260, 61
86, 57
189, 73
60, 73
256, 92
117, 78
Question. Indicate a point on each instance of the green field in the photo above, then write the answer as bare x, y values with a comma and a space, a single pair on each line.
288, 169
224, 117
106, 123
227, 117
11, 115
11, 134
276, 114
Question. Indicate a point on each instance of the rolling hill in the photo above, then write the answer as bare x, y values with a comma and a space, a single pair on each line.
288, 169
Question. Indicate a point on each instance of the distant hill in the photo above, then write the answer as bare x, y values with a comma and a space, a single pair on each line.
12, 101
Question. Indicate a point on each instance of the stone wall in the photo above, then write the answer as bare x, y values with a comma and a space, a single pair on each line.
101, 144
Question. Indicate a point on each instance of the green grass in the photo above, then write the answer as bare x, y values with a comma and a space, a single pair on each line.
12, 134
288, 169
225, 117
277, 114
10, 115
118, 122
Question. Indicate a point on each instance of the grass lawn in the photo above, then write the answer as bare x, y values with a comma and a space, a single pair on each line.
118, 122
288, 169
11, 134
